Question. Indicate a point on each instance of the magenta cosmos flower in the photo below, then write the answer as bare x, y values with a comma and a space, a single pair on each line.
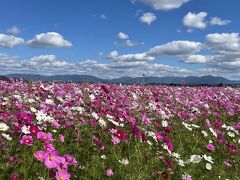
40, 155
34, 130
45, 137
121, 135
27, 140
25, 117
211, 147
62, 175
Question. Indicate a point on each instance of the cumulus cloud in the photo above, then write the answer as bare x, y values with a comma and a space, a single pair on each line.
14, 30
195, 20
162, 4
49, 40
224, 43
148, 18
197, 59
10, 41
218, 21
122, 36
176, 48
112, 55
134, 57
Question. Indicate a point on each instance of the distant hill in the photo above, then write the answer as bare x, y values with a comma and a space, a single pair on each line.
4, 78
190, 80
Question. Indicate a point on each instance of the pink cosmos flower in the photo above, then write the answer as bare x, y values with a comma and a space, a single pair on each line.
208, 123
211, 147
146, 120
70, 159
49, 147
115, 140
55, 124
61, 137
109, 172
45, 137
63, 175
159, 136
186, 177
52, 160
40, 155
27, 140
63, 165
227, 164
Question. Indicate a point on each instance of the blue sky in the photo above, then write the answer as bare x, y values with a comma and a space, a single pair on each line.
113, 38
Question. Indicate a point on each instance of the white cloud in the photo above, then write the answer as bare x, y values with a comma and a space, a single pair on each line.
112, 55
195, 20
218, 21
103, 16
162, 4
122, 36
148, 18
197, 59
14, 30
134, 57
176, 48
10, 41
49, 40
225, 43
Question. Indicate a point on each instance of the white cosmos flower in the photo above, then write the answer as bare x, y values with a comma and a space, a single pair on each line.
124, 161
102, 122
204, 133
33, 109
103, 157
49, 101
6, 136
3, 127
164, 123
92, 97
208, 158
208, 166
25, 129
95, 115
195, 159
231, 134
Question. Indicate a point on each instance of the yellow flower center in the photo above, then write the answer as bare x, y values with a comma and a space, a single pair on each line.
44, 137
51, 158
40, 156
61, 178
27, 141
118, 135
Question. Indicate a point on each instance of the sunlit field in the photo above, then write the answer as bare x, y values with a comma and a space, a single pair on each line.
98, 131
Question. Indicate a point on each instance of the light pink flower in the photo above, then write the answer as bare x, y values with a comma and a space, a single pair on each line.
40, 155
115, 140
61, 138
109, 172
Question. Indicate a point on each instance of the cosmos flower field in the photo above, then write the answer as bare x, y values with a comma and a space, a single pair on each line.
98, 131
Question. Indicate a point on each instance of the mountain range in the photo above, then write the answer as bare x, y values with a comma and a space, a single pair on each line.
190, 80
